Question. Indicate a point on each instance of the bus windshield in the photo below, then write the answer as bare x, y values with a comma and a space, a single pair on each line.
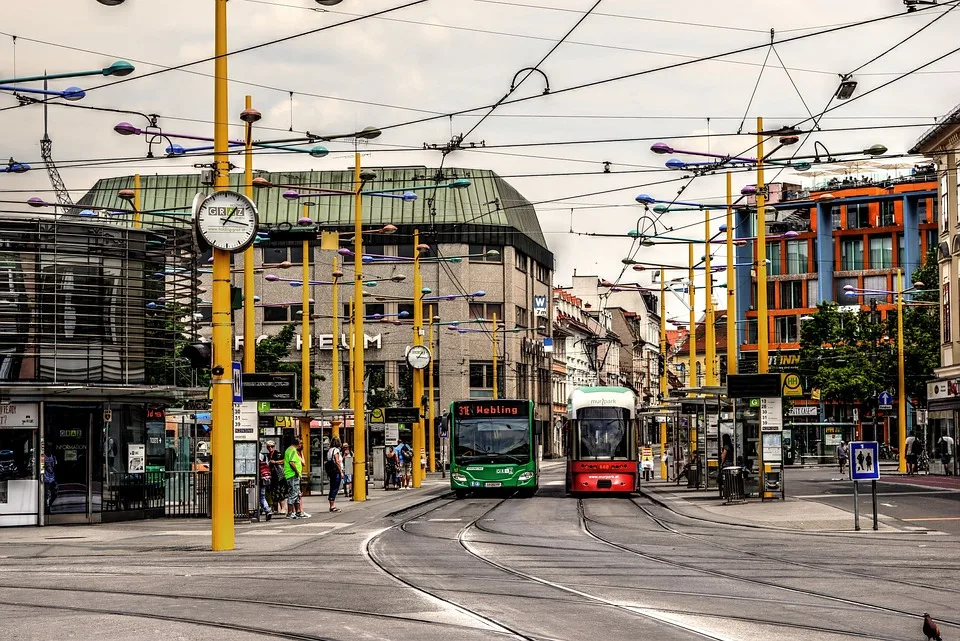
491, 440
602, 432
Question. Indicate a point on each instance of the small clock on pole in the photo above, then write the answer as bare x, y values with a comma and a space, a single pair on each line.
227, 221
419, 357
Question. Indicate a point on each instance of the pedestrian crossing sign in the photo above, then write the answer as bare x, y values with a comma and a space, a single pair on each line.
864, 461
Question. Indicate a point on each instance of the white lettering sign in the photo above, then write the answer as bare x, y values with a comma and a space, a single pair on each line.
245, 418
324, 342
19, 415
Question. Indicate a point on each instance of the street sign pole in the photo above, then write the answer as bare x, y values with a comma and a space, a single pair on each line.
873, 490
856, 505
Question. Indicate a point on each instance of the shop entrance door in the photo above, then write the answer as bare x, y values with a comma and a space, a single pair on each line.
72, 458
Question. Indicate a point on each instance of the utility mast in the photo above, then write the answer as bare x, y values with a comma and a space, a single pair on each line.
46, 152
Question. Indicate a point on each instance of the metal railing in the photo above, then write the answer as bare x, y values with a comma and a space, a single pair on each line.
188, 494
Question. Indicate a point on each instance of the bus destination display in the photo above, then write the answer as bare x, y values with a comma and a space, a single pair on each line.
492, 408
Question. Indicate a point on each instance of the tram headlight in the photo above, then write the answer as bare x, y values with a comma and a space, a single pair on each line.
524, 477
459, 478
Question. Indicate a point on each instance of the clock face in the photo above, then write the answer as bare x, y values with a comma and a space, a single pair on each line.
418, 357
227, 220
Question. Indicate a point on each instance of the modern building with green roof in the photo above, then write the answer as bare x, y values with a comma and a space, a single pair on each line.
514, 283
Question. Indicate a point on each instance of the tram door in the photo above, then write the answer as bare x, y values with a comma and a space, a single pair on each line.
76, 465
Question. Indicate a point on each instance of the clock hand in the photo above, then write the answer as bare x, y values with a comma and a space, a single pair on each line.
233, 222
229, 216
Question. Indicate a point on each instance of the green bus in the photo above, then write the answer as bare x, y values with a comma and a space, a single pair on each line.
493, 446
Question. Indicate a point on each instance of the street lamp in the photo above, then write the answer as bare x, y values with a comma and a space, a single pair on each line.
119, 68
70, 93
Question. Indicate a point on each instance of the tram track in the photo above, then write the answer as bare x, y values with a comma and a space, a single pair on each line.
584, 521
802, 564
233, 627
495, 626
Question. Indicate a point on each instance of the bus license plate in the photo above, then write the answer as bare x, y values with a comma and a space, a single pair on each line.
493, 484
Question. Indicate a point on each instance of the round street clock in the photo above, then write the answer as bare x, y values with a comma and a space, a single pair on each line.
418, 357
227, 220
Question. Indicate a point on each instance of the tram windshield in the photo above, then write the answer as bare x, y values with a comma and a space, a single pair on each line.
603, 432
488, 440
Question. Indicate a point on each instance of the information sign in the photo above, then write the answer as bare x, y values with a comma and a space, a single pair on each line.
771, 414
885, 401
237, 383
245, 421
864, 463
136, 458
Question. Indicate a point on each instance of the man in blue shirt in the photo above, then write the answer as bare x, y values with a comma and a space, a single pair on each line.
405, 456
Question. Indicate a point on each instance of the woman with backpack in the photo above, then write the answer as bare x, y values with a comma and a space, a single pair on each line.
334, 469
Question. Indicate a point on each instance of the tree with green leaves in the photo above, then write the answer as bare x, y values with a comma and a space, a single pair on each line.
851, 356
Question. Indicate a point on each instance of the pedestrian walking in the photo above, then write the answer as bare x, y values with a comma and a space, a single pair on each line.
666, 462
946, 446
334, 470
292, 472
278, 485
265, 478
913, 447
347, 471
50, 477
843, 451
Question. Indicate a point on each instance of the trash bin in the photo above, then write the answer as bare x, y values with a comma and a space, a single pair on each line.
732, 488
693, 475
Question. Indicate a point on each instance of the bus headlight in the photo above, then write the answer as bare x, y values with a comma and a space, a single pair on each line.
524, 477
459, 478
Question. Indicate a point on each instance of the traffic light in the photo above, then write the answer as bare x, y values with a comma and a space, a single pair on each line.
661, 365
200, 355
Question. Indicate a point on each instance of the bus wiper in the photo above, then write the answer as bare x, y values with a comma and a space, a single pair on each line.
514, 457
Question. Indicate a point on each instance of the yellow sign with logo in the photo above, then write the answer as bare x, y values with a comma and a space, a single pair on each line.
376, 415
815, 393
285, 422
791, 385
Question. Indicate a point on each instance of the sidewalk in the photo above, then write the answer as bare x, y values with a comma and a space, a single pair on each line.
190, 534
791, 515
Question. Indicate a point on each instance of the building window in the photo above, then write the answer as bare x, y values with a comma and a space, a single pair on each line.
797, 257
787, 329
900, 257
486, 310
835, 217
543, 274
523, 372
813, 296
887, 218
478, 253
481, 379
858, 216
520, 261
376, 376
931, 236
405, 251
922, 210
851, 255
945, 316
791, 294
522, 317
277, 255
944, 208
876, 283
773, 255
881, 253
281, 313
373, 309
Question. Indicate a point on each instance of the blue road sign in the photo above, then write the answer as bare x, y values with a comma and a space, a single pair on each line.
885, 401
237, 383
864, 461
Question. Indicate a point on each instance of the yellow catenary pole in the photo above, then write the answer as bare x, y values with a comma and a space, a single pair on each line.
351, 380
692, 380
305, 344
495, 392
359, 418
663, 369
335, 354
763, 329
901, 378
710, 331
731, 286
249, 342
418, 444
221, 438
137, 203
431, 418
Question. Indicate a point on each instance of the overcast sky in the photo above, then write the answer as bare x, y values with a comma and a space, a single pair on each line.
442, 56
